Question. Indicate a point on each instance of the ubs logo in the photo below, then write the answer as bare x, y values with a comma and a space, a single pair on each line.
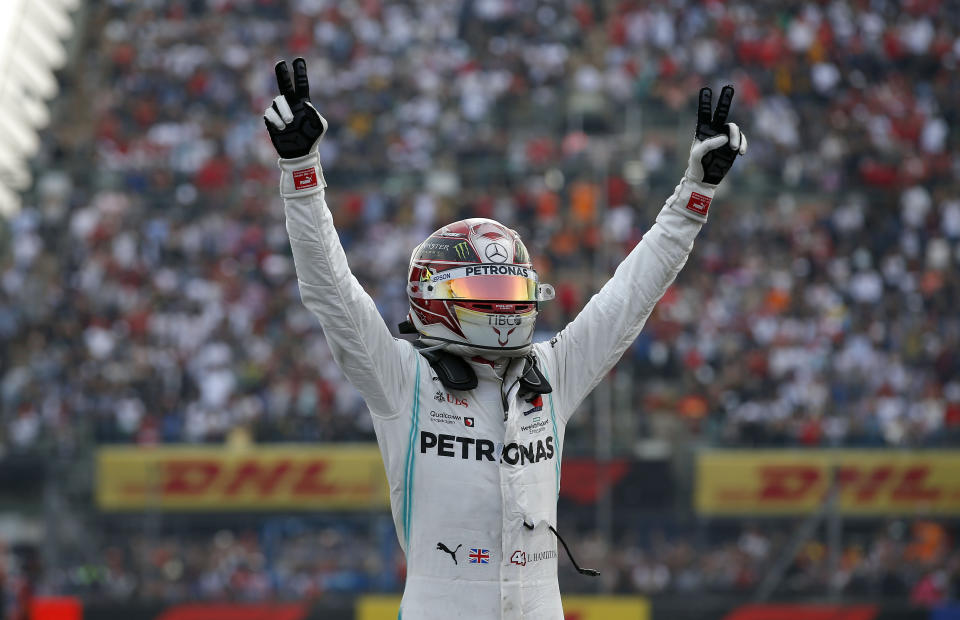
440, 397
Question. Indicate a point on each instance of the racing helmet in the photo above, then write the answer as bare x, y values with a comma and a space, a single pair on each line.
473, 290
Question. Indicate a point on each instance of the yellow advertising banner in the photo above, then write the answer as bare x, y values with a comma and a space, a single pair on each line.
276, 477
606, 608
788, 482
381, 607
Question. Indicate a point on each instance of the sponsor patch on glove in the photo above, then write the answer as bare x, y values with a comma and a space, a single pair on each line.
698, 203
304, 179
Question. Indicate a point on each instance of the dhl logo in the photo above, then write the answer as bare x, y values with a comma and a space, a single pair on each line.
215, 479
793, 482
789, 482
803, 612
299, 478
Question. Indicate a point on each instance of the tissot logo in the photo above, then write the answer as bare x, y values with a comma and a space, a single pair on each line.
475, 449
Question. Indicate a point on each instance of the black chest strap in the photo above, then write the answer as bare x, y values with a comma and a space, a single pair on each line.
456, 374
453, 371
532, 381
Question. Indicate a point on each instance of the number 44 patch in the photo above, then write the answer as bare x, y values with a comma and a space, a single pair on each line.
519, 558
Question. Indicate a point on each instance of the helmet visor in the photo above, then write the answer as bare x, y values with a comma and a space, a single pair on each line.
491, 288
482, 282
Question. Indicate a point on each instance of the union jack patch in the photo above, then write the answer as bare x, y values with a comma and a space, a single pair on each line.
479, 556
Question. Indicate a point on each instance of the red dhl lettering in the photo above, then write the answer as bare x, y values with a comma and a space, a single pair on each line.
311, 481
911, 487
196, 477
803, 612
253, 474
865, 486
191, 477
787, 482
791, 483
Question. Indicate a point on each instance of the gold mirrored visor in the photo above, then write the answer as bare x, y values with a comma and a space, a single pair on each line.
489, 288
484, 282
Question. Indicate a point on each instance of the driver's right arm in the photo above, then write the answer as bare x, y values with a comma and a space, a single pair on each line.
380, 366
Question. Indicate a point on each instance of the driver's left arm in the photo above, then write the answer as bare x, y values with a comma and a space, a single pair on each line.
578, 357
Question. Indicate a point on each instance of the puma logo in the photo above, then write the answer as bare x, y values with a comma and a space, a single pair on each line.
445, 549
503, 342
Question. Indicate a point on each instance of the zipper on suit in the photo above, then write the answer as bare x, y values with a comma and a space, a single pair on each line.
505, 403
505, 393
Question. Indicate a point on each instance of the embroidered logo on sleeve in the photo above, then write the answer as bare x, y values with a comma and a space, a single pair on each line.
306, 178
698, 203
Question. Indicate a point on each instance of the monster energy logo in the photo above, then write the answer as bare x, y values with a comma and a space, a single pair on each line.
462, 250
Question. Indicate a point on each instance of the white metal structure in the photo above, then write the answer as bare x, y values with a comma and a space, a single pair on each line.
32, 47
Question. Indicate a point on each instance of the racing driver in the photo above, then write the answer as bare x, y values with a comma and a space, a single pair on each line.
470, 418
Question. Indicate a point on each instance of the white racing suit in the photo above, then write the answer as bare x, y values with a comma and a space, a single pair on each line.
468, 469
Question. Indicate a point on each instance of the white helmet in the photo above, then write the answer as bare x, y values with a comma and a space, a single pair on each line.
473, 289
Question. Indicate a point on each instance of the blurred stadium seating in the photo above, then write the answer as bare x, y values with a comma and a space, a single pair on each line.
147, 295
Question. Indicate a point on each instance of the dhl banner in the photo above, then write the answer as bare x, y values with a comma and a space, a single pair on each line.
794, 611
280, 477
786, 482
380, 607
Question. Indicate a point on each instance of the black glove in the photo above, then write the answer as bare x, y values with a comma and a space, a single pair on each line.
294, 124
716, 142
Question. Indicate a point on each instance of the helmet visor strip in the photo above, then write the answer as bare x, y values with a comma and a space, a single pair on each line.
490, 288
485, 282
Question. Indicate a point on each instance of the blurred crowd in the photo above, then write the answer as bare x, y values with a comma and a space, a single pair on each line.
239, 565
916, 561
147, 292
